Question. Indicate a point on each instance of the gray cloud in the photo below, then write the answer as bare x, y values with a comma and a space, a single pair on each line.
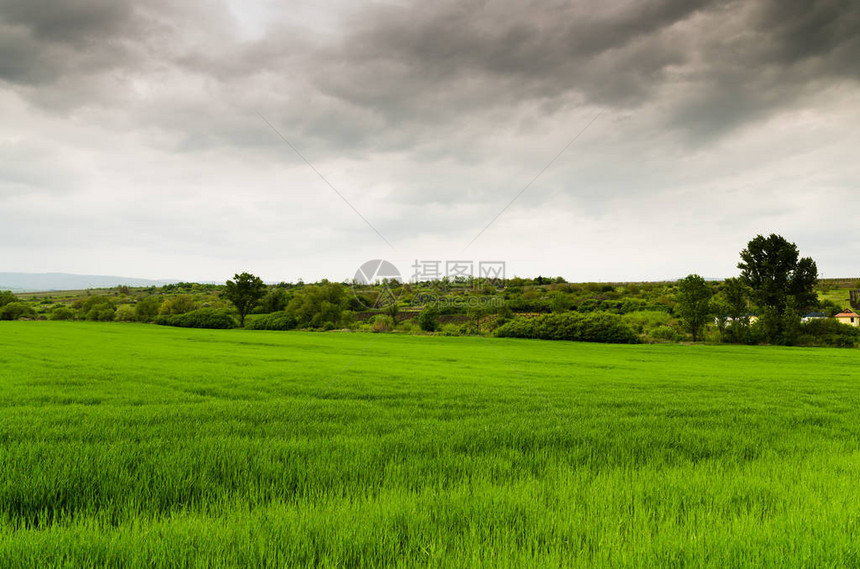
81, 23
49, 40
395, 76
719, 64
429, 116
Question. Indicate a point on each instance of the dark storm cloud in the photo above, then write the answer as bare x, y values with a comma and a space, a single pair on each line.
511, 49
43, 41
82, 53
395, 77
796, 31
711, 65
757, 59
75, 22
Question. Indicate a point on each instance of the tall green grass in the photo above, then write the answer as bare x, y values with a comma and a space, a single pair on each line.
131, 445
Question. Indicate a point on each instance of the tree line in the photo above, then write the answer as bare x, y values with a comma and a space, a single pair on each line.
776, 286
763, 304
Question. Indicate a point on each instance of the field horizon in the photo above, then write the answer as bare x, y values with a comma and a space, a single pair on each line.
129, 444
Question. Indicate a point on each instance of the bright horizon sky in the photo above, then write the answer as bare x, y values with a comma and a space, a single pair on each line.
611, 141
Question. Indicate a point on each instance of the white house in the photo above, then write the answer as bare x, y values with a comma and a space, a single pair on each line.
813, 316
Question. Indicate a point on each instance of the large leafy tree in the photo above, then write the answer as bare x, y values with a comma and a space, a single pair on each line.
782, 284
694, 295
320, 306
771, 266
244, 291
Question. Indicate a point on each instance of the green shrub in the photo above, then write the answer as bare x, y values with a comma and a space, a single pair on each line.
146, 310
320, 306
828, 332
646, 320
125, 313
559, 302
503, 316
101, 313
383, 323
274, 301
211, 318
592, 327
275, 321
6, 297
179, 304
757, 333
453, 329
664, 332
428, 319
62, 313
16, 310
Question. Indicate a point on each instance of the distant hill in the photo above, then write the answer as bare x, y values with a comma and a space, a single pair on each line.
37, 282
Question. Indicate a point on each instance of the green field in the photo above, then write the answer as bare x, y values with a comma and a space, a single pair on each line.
133, 445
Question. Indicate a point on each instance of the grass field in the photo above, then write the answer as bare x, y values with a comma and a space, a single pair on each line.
134, 445
840, 296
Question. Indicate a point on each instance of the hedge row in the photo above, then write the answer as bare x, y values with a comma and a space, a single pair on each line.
202, 318
273, 321
578, 327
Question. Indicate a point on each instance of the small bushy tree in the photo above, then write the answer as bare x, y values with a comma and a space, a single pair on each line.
6, 297
559, 302
96, 308
244, 291
275, 300
476, 313
179, 304
393, 310
504, 314
383, 323
694, 296
319, 306
125, 313
146, 310
62, 313
101, 313
428, 319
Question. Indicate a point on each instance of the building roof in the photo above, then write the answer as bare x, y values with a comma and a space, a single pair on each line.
815, 315
847, 314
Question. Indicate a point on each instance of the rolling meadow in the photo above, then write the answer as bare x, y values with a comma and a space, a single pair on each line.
133, 445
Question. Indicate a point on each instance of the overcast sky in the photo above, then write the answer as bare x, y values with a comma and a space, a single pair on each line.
135, 136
